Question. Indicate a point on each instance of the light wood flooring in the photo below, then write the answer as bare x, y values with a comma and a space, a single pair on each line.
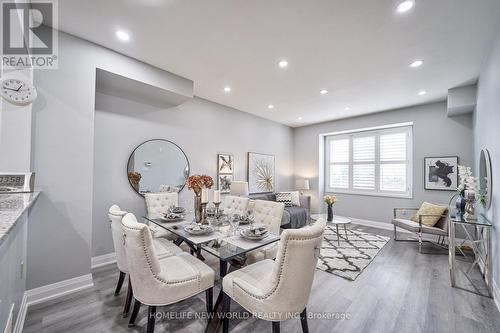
400, 291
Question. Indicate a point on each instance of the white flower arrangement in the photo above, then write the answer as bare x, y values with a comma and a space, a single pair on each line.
468, 183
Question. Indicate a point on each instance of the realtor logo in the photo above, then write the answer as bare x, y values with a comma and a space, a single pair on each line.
29, 34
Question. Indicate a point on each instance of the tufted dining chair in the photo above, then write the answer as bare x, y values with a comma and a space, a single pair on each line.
159, 282
235, 205
278, 290
268, 213
157, 205
164, 248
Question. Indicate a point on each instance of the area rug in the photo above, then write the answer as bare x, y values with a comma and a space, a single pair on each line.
352, 256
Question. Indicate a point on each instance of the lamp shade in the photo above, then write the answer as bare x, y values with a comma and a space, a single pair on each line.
302, 184
239, 188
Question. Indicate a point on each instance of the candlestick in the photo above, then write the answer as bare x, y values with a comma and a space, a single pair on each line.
216, 196
204, 196
217, 204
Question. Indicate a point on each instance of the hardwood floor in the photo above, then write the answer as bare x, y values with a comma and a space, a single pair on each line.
400, 291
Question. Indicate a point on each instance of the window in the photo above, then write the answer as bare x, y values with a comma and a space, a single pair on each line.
374, 161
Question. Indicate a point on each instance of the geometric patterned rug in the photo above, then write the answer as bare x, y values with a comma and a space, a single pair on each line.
352, 256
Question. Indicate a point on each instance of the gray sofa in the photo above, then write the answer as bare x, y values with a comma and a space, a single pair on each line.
293, 217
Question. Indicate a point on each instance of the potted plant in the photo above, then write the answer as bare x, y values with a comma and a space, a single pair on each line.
330, 200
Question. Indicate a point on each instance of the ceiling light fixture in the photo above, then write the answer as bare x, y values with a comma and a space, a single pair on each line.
270, 106
227, 89
347, 108
122, 35
405, 6
323, 92
422, 92
283, 63
417, 63
299, 118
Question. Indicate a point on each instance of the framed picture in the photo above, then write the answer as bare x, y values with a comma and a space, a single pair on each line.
225, 164
260, 173
224, 183
441, 173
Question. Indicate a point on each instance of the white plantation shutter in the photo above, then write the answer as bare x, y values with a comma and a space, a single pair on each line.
375, 161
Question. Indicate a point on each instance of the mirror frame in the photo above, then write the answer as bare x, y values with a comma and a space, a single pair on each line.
485, 158
137, 147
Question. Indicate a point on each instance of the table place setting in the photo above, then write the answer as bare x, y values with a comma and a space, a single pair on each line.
174, 214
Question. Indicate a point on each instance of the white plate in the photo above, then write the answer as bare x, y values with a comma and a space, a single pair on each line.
246, 234
193, 229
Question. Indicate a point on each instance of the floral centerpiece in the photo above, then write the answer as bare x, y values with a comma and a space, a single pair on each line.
468, 190
330, 200
197, 183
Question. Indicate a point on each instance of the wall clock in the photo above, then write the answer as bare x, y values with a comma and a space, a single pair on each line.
17, 91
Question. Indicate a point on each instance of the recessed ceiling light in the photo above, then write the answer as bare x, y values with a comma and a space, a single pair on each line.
270, 106
299, 118
122, 35
422, 92
283, 63
417, 63
405, 6
323, 92
347, 108
227, 89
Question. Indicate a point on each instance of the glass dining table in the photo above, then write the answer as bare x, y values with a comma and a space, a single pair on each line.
224, 243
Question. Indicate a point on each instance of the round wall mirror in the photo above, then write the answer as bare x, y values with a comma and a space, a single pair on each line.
485, 177
157, 166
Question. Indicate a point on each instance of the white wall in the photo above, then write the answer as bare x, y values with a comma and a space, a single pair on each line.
201, 128
487, 135
434, 134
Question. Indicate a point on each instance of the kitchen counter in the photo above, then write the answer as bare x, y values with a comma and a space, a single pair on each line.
12, 207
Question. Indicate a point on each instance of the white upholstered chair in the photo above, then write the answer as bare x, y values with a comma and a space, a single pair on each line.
164, 248
235, 205
165, 281
157, 205
278, 290
268, 213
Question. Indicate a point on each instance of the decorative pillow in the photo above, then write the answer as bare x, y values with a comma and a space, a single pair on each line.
429, 209
293, 197
285, 197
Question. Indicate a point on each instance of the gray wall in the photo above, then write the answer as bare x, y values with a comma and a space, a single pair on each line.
487, 135
434, 134
60, 235
201, 128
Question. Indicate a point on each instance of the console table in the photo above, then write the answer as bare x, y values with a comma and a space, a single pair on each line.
478, 235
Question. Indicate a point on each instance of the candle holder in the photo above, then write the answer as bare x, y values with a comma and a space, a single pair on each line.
217, 204
204, 213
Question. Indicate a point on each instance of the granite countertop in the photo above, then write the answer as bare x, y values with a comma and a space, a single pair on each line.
12, 206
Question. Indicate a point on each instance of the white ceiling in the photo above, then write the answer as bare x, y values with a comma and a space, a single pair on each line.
359, 50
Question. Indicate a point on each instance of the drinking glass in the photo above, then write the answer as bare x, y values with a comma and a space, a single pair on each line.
235, 222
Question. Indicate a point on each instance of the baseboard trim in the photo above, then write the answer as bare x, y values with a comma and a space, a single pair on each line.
50, 292
105, 259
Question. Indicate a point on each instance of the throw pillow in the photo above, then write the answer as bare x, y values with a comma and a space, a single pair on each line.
295, 198
429, 209
285, 197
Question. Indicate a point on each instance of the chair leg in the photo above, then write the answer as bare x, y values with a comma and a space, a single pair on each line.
276, 327
420, 241
209, 293
120, 283
226, 307
303, 321
135, 311
128, 299
151, 319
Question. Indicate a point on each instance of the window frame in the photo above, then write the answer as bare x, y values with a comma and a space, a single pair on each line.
377, 132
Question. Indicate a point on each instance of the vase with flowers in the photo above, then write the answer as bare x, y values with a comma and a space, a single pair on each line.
200, 184
330, 200
468, 191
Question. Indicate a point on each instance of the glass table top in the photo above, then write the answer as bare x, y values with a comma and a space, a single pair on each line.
224, 243
459, 218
